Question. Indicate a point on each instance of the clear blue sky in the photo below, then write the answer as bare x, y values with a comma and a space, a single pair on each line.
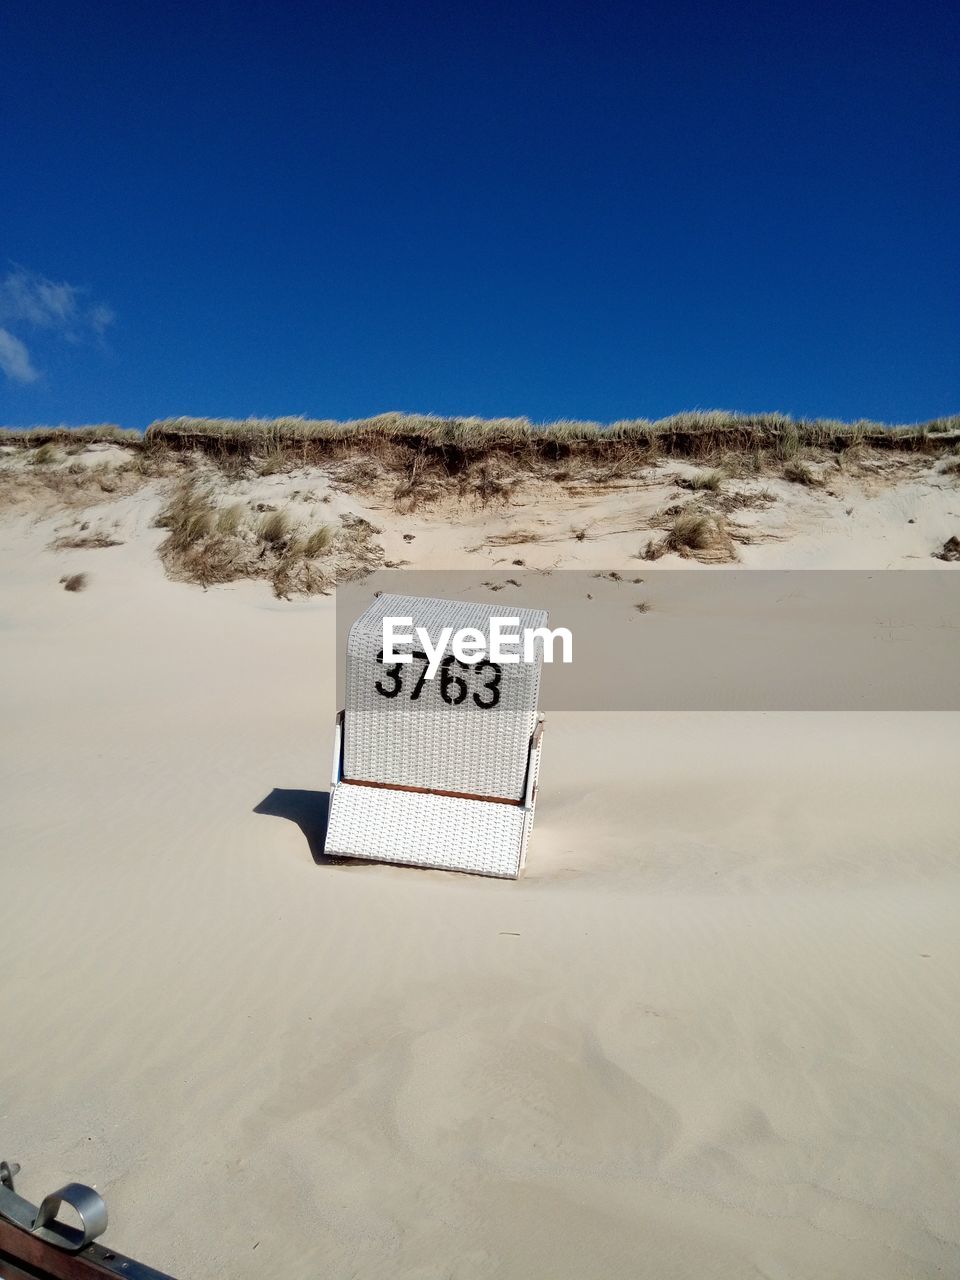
558, 210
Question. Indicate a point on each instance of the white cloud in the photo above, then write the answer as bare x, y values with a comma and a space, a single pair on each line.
15, 359
101, 318
31, 301
43, 304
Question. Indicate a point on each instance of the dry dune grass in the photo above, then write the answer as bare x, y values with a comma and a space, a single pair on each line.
746, 500
230, 519
485, 485
482, 484
207, 544
319, 541
698, 433
694, 533
513, 538
101, 433
47, 453
418, 460
800, 473
457, 440
86, 542
275, 528
416, 488
703, 481
48, 482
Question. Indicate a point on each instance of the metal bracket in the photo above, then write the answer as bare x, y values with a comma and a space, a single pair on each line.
42, 1231
89, 1207
43, 1224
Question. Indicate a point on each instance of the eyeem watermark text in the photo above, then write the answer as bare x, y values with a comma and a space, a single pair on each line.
507, 643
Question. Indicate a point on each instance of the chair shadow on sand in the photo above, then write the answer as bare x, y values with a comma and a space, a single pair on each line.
309, 810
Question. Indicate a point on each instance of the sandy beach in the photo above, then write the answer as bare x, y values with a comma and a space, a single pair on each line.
710, 1032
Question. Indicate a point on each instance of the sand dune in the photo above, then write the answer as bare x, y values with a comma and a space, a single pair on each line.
711, 1032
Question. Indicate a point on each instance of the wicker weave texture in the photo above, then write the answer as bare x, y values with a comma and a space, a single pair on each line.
426, 830
444, 744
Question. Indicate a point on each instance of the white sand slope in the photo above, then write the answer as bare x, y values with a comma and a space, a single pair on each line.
712, 1032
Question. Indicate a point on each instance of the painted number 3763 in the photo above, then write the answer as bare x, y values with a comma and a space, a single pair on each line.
454, 688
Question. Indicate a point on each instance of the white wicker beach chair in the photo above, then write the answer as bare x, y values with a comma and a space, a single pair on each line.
436, 773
